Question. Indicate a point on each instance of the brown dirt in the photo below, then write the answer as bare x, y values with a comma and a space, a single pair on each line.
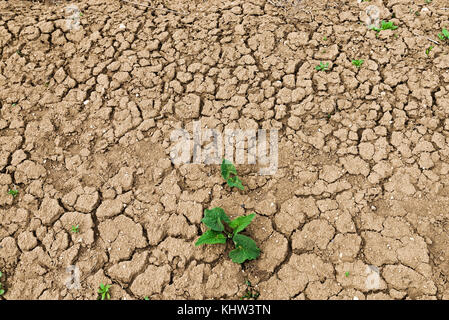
363, 153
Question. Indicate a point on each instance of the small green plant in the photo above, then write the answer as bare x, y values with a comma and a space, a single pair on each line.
322, 66
2, 291
385, 26
13, 192
251, 293
325, 38
81, 14
358, 63
347, 274
146, 298
428, 50
216, 220
229, 173
76, 229
429, 1
444, 35
103, 292
13, 104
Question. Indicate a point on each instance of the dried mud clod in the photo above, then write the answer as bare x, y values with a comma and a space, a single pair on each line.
358, 208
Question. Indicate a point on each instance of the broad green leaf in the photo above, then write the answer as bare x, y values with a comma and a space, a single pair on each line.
2, 292
235, 182
211, 237
240, 223
229, 173
246, 249
227, 168
212, 218
446, 33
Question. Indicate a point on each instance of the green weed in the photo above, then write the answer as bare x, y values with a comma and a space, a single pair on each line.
13, 192
229, 173
429, 49
444, 35
251, 293
2, 291
215, 220
322, 66
103, 292
385, 26
358, 63
76, 229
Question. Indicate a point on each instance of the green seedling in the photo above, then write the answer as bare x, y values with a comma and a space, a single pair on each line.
103, 292
385, 26
347, 274
13, 104
429, 1
325, 38
2, 291
428, 50
13, 192
322, 66
81, 14
218, 225
358, 63
444, 35
229, 173
251, 293
146, 298
76, 229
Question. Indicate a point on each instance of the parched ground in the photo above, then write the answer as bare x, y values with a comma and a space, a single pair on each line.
85, 125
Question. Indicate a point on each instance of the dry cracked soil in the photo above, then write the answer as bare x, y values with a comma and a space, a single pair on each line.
359, 205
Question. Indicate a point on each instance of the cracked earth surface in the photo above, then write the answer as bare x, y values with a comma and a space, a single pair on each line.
85, 125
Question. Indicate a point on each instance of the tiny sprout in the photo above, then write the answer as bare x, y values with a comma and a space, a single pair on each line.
251, 293
347, 273
444, 34
103, 292
13, 192
358, 63
76, 229
322, 66
2, 291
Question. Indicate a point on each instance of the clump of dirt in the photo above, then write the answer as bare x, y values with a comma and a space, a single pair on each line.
89, 96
